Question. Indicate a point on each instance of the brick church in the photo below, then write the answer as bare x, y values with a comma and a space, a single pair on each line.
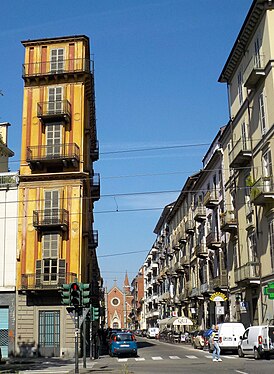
119, 306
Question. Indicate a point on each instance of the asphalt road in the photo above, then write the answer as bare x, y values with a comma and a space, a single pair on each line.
154, 357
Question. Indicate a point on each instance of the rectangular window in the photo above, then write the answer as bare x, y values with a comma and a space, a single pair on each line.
55, 100
51, 211
235, 255
57, 60
245, 136
54, 140
257, 48
50, 256
252, 248
240, 87
262, 111
267, 171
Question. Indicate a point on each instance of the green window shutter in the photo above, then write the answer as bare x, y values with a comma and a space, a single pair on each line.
38, 273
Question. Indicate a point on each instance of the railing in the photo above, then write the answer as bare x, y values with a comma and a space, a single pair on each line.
54, 108
50, 217
8, 180
201, 250
257, 62
221, 280
93, 240
53, 152
263, 185
242, 145
249, 271
45, 280
195, 292
189, 225
210, 199
213, 240
56, 67
200, 213
207, 287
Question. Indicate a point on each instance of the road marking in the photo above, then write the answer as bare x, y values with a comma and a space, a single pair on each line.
174, 358
208, 356
140, 359
231, 357
241, 372
191, 356
122, 359
156, 358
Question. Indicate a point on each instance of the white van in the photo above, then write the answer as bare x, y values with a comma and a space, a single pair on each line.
152, 332
257, 341
229, 336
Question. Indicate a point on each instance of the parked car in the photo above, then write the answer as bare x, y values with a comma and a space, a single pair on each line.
257, 341
152, 332
198, 340
229, 336
122, 343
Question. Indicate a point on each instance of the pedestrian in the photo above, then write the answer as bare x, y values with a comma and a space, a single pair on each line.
216, 348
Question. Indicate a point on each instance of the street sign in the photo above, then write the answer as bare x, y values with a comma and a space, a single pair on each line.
83, 316
220, 310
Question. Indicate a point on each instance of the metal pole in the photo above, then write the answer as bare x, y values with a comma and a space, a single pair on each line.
90, 340
84, 344
76, 341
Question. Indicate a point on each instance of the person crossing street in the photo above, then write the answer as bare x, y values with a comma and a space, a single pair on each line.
216, 349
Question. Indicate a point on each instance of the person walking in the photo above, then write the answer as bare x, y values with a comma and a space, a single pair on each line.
216, 348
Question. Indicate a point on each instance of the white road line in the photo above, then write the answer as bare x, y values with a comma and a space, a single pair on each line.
140, 359
156, 358
122, 359
241, 372
208, 356
174, 358
191, 356
230, 357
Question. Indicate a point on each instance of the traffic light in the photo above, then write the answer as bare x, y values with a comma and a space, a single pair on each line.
65, 294
85, 293
75, 294
94, 313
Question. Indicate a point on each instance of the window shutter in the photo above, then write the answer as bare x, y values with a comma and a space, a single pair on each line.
38, 274
62, 271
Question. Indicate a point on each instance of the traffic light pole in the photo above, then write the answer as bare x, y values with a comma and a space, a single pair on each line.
84, 344
90, 340
76, 340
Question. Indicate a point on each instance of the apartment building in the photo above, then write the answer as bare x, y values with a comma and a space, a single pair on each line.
8, 245
57, 190
248, 152
137, 286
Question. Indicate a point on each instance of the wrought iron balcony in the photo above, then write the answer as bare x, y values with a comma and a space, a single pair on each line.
240, 154
201, 250
185, 261
229, 221
207, 288
213, 241
53, 68
195, 292
49, 111
221, 280
45, 281
190, 226
262, 191
8, 180
178, 267
94, 151
93, 239
66, 155
200, 214
51, 218
247, 273
211, 199
254, 70
95, 186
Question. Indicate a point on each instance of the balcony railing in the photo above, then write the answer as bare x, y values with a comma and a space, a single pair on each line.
190, 226
229, 221
8, 180
48, 68
54, 110
241, 153
45, 280
201, 250
200, 213
185, 261
207, 287
64, 154
262, 191
94, 151
211, 199
213, 241
248, 272
195, 292
93, 239
254, 70
221, 280
95, 186
51, 218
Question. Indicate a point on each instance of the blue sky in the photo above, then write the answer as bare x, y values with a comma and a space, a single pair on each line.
157, 64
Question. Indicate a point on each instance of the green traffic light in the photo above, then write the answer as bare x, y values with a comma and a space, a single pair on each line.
65, 294
85, 293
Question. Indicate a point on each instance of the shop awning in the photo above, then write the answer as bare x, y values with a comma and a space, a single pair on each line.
179, 321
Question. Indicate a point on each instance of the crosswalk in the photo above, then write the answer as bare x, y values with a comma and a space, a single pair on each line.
160, 358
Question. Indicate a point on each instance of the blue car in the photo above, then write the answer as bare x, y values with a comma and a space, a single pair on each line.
123, 343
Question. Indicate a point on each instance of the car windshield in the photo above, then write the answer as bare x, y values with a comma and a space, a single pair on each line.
124, 337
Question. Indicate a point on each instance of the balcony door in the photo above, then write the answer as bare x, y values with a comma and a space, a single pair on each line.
267, 171
49, 333
51, 211
57, 60
50, 258
55, 100
53, 140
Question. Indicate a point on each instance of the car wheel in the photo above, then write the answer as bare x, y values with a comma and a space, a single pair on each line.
240, 352
257, 355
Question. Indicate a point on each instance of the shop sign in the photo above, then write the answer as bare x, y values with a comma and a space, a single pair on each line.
218, 296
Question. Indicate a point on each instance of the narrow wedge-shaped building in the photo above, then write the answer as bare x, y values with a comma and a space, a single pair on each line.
57, 190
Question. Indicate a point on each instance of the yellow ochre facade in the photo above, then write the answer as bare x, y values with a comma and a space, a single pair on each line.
57, 190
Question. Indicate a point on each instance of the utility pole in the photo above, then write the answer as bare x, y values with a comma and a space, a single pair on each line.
76, 340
